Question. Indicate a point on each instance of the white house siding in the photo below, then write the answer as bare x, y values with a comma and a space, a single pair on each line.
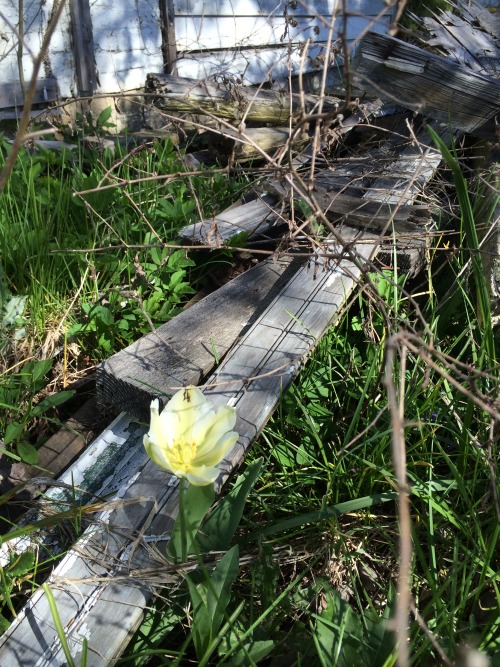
127, 42
253, 40
257, 40
59, 62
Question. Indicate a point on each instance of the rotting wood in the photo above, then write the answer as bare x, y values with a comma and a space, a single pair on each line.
471, 36
255, 217
230, 100
424, 82
255, 143
362, 212
71, 439
478, 47
186, 349
167, 27
258, 217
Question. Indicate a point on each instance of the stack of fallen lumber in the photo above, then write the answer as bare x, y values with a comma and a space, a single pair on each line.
246, 341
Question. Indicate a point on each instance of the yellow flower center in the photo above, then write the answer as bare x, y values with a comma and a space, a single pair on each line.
183, 453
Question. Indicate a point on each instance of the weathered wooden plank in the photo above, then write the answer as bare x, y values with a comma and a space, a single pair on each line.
142, 487
11, 94
421, 81
252, 377
362, 212
67, 444
167, 27
255, 217
399, 185
83, 46
259, 216
476, 47
256, 143
186, 349
229, 100
400, 181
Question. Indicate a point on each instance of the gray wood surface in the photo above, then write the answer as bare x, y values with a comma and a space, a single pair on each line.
11, 94
470, 37
230, 100
255, 217
89, 602
422, 81
256, 142
83, 46
360, 211
167, 28
186, 349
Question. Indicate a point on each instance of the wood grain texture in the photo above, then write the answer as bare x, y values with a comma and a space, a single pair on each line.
360, 211
83, 46
229, 100
145, 504
255, 217
477, 47
167, 28
419, 80
186, 349
106, 611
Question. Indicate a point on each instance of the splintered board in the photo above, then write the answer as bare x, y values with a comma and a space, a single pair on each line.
432, 85
255, 217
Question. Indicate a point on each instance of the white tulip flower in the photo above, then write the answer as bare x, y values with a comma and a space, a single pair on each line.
189, 438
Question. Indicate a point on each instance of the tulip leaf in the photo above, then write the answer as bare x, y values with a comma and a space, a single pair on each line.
218, 589
194, 503
218, 530
210, 599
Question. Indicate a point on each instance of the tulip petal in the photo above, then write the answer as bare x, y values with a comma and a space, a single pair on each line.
218, 450
182, 412
203, 475
208, 431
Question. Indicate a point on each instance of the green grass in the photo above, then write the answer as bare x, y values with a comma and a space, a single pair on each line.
319, 584
82, 276
318, 540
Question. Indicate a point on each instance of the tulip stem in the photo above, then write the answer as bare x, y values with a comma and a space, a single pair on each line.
182, 519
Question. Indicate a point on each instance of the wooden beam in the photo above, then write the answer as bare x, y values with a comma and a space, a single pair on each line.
11, 94
99, 591
255, 217
360, 211
83, 46
419, 80
168, 41
186, 349
230, 100
90, 597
